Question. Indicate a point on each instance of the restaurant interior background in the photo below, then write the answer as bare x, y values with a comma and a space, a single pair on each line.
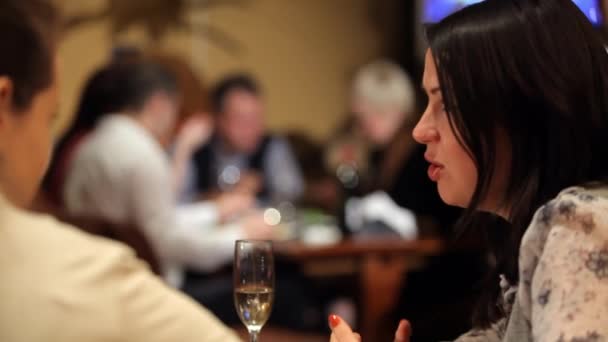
303, 52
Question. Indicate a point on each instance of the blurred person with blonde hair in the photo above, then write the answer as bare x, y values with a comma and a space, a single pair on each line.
383, 98
388, 166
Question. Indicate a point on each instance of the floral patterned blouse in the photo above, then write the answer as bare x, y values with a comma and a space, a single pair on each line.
563, 291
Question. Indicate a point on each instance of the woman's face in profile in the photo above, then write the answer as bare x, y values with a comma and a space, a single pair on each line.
25, 141
452, 168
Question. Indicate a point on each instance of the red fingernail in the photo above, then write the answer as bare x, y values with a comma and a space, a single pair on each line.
334, 320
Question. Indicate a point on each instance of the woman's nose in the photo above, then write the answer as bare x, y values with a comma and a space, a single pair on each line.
425, 132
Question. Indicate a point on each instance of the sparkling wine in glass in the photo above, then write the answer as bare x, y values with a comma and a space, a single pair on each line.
253, 284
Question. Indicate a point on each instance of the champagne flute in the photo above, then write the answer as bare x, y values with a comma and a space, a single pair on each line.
253, 283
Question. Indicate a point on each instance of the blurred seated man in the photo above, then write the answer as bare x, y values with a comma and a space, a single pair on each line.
122, 174
242, 156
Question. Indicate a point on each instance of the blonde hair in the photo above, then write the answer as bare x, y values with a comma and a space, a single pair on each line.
383, 85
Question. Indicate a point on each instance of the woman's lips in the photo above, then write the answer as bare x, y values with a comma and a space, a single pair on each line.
434, 172
435, 168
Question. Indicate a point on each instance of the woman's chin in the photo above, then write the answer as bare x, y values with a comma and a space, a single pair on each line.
451, 197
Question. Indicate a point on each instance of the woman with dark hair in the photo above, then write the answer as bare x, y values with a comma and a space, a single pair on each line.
101, 96
59, 284
516, 126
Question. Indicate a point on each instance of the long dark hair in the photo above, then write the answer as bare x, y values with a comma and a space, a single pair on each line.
536, 72
100, 97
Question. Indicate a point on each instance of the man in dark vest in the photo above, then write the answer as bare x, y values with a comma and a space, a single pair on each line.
242, 156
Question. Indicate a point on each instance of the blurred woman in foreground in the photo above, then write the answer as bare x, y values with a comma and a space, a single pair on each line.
59, 284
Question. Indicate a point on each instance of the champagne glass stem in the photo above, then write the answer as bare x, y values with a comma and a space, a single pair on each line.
253, 336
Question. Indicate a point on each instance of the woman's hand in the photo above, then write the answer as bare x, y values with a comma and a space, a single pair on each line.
341, 332
404, 331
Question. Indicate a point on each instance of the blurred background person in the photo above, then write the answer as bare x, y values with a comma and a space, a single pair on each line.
121, 173
104, 94
100, 96
242, 156
374, 154
109, 92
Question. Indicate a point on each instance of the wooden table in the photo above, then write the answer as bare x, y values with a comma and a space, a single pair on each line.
379, 264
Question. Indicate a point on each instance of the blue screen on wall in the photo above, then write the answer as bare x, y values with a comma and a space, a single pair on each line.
435, 10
